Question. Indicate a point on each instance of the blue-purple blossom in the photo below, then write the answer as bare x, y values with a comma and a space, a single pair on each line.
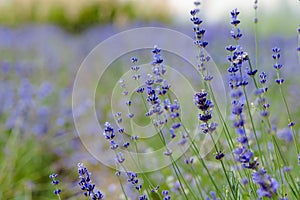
263, 77
197, 3
287, 169
134, 60
285, 134
109, 131
219, 155
55, 182
86, 184
213, 196
45, 90
276, 55
113, 145
206, 106
120, 157
143, 197
166, 195
133, 179
245, 181
194, 12
267, 186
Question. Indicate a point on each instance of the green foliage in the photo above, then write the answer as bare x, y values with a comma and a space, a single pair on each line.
57, 16
89, 14
25, 166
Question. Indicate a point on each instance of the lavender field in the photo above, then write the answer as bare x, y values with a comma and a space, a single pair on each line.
151, 109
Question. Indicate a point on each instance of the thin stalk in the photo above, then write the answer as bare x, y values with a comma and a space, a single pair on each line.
285, 163
299, 45
176, 170
279, 166
197, 153
223, 167
227, 133
205, 167
288, 113
253, 127
197, 183
122, 188
256, 36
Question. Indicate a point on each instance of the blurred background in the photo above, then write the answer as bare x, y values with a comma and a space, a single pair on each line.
43, 43
79, 15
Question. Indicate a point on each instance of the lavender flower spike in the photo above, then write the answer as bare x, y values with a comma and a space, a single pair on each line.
86, 184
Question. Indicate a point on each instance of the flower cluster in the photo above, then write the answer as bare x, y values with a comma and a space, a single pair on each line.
277, 65
267, 186
86, 184
135, 182
156, 86
166, 195
213, 196
235, 32
255, 6
197, 29
109, 134
260, 92
133, 179
55, 182
159, 105
205, 105
200, 43
237, 81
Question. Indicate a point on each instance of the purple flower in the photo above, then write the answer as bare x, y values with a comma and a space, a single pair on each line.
245, 181
244, 156
194, 12
267, 186
120, 157
113, 145
86, 184
285, 134
201, 101
133, 179
143, 197
166, 195
219, 155
109, 131
214, 195
134, 60
55, 182
45, 90
263, 77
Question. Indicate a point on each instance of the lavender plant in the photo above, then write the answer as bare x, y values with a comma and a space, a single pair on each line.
86, 184
55, 182
249, 169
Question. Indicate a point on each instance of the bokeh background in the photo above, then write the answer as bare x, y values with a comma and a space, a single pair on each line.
43, 43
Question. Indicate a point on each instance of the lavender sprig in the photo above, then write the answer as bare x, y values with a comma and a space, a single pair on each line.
279, 80
267, 186
86, 184
55, 182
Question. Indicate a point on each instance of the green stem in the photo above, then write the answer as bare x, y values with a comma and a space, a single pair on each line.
122, 188
253, 126
289, 114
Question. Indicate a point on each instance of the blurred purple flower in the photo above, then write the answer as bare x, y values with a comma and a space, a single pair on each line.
285, 134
